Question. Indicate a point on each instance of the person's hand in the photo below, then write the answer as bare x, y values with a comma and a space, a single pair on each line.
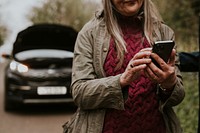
165, 75
136, 65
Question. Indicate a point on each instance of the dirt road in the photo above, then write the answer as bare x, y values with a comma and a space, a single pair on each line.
34, 120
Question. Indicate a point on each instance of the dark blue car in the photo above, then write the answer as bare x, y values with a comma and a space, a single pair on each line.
39, 70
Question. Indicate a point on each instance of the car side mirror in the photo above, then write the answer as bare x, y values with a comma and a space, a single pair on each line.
6, 56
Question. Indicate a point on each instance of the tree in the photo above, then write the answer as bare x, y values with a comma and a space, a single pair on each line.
182, 17
3, 34
196, 6
74, 13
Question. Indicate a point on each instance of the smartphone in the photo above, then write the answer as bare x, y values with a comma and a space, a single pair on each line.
163, 49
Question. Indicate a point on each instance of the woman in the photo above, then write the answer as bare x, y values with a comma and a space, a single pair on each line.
115, 84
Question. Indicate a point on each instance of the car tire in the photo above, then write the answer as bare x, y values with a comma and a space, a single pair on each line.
9, 105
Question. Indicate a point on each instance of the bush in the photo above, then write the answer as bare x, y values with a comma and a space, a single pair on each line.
74, 13
188, 110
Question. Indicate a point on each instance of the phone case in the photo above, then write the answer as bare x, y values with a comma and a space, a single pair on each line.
163, 49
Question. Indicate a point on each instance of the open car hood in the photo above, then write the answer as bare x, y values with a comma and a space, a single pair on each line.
45, 36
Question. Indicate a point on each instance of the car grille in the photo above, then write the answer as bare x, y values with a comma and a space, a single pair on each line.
47, 73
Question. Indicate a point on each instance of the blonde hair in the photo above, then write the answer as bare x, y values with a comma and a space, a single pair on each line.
151, 15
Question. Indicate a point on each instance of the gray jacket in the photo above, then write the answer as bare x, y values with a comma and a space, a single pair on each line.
93, 92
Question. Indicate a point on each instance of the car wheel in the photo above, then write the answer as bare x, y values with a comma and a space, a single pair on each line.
9, 105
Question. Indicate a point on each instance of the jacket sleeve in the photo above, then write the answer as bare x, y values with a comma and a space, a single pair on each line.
178, 93
89, 91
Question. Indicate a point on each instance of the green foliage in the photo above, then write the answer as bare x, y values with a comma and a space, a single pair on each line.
188, 110
74, 13
182, 17
3, 34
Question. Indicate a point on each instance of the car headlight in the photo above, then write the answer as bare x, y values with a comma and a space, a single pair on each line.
16, 66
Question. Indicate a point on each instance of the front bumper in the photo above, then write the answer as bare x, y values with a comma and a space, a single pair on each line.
25, 90
28, 95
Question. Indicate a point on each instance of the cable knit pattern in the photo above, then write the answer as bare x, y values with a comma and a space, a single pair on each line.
141, 114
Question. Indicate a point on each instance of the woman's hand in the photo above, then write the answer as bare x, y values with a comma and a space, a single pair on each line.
136, 65
165, 75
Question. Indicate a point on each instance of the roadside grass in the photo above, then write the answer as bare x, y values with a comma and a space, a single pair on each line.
188, 110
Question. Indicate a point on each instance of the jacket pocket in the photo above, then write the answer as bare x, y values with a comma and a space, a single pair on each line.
69, 125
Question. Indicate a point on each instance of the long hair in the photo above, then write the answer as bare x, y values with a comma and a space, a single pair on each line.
151, 15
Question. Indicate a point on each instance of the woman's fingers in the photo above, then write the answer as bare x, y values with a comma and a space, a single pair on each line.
142, 54
172, 58
140, 62
162, 64
150, 73
146, 49
165, 65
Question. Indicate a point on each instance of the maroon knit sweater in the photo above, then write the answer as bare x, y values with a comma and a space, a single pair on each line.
141, 114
